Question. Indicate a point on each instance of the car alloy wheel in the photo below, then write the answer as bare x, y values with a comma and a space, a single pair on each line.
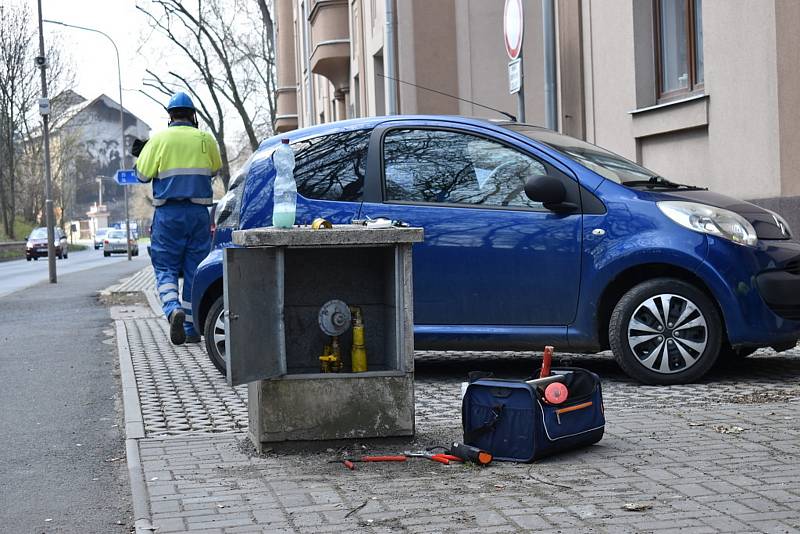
214, 331
667, 333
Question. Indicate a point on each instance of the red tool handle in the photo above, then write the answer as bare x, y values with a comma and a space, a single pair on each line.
450, 457
382, 459
547, 360
439, 458
348, 464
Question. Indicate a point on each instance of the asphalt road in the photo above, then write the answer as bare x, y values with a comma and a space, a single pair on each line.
18, 274
62, 452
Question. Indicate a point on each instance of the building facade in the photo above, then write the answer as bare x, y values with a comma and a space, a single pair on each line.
86, 154
705, 92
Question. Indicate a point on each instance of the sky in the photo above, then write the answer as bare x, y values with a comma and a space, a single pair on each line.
92, 55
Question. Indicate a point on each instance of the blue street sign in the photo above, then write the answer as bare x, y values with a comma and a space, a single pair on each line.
126, 177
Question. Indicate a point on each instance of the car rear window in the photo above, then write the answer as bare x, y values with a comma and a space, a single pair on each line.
332, 167
118, 234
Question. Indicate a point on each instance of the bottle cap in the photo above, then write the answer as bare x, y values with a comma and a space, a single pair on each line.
285, 141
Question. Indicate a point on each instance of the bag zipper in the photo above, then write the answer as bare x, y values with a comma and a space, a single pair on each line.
571, 409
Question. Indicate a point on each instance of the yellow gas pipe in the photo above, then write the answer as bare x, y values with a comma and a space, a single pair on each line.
358, 356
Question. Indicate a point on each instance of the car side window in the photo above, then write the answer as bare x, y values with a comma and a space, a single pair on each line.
448, 167
332, 167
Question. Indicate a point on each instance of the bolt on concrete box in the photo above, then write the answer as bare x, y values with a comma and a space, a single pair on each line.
274, 288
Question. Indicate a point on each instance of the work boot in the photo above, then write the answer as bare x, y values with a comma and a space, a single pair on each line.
176, 332
193, 338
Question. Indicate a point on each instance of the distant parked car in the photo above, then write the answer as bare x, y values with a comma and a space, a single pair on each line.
99, 236
115, 241
36, 247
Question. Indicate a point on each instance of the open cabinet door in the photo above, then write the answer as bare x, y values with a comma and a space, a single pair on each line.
255, 344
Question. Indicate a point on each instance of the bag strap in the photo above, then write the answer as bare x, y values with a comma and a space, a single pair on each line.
488, 426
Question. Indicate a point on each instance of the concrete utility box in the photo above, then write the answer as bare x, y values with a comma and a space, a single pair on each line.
274, 288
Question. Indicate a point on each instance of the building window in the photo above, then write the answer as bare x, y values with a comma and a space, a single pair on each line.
679, 47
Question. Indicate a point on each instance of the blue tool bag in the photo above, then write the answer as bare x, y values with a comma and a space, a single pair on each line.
512, 420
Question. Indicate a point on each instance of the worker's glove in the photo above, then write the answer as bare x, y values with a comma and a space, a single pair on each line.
137, 147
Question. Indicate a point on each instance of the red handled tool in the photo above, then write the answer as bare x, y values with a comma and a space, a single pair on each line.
441, 458
469, 453
554, 392
349, 462
547, 360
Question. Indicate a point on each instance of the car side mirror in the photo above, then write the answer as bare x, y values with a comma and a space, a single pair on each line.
550, 192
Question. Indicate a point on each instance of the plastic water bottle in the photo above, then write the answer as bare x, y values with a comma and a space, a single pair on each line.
285, 204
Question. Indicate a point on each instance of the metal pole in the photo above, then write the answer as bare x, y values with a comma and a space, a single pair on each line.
121, 115
549, 36
48, 189
390, 60
521, 92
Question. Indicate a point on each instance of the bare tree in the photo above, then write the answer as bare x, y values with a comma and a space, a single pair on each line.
19, 121
231, 47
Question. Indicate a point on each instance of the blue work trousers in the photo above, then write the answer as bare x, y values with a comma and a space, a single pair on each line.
181, 240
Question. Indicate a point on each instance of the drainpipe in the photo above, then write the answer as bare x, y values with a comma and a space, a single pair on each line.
390, 60
549, 36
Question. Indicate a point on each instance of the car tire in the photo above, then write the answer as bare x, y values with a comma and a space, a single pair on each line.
674, 347
106, 254
60, 256
214, 333
28, 258
135, 253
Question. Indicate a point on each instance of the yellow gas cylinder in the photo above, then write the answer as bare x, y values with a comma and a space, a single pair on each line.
358, 356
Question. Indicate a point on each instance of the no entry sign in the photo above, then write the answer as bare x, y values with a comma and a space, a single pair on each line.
512, 28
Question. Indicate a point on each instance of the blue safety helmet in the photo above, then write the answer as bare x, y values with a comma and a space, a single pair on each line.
180, 100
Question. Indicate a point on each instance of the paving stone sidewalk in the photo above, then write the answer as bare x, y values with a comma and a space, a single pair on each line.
719, 456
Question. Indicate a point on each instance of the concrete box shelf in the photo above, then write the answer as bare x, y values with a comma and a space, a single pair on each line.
274, 288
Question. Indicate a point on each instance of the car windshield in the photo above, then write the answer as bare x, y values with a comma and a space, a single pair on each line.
39, 233
116, 234
605, 163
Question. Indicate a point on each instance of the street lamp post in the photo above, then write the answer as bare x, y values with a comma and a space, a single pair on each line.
99, 191
121, 119
41, 62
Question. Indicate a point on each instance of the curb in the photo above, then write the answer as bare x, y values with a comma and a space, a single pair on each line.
134, 431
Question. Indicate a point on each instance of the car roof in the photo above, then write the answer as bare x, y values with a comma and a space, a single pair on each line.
372, 122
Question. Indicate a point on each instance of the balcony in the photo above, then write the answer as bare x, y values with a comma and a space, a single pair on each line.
330, 41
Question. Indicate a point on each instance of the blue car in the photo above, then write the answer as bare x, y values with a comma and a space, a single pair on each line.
534, 238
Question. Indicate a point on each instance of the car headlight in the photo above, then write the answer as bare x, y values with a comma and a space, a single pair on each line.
710, 220
782, 224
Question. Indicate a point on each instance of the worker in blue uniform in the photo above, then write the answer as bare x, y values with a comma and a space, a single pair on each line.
180, 161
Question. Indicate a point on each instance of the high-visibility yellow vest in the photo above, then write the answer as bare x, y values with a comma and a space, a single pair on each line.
180, 161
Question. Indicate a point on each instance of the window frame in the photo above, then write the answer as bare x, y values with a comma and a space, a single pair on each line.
549, 166
693, 87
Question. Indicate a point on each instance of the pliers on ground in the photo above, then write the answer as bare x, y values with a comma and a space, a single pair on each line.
436, 457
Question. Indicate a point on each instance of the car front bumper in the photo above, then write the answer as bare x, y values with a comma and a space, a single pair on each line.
119, 248
758, 289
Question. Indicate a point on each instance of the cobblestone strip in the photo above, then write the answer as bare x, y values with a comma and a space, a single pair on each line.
143, 281
180, 391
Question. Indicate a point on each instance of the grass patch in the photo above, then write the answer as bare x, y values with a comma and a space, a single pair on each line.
21, 229
7, 255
